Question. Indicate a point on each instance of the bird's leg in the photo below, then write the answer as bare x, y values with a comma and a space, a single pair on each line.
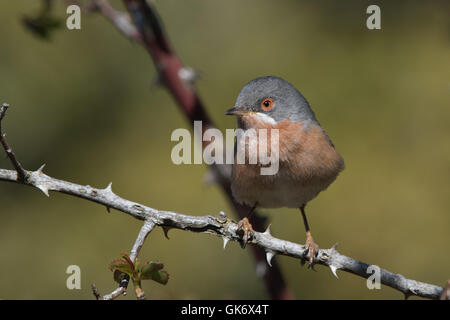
245, 228
313, 248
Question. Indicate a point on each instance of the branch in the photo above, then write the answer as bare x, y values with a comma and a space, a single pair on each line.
122, 289
220, 226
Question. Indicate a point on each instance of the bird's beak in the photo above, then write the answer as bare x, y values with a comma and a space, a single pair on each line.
236, 111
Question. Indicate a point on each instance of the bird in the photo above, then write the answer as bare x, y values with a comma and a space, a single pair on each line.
308, 159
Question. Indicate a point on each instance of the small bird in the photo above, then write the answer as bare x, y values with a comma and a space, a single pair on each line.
308, 161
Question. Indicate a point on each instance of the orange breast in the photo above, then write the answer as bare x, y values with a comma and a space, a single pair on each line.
305, 150
307, 158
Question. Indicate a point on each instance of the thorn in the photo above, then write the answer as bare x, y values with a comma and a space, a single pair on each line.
43, 188
334, 247
109, 188
222, 216
267, 232
269, 256
225, 242
166, 232
334, 269
188, 75
409, 293
108, 209
41, 169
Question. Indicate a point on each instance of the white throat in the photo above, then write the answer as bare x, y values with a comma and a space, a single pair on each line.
264, 118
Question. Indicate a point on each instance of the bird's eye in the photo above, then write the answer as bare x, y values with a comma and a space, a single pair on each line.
267, 104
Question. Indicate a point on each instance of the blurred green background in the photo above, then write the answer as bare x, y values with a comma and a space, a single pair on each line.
82, 103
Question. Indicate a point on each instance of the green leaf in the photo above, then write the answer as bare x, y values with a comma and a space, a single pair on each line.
153, 271
127, 258
123, 264
160, 277
151, 267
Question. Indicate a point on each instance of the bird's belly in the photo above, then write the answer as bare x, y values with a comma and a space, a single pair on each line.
276, 191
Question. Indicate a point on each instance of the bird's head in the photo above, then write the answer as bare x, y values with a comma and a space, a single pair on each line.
272, 100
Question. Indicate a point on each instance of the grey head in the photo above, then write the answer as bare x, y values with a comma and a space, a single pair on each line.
273, 97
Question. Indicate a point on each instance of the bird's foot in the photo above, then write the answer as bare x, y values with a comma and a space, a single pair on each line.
312, 248
245, 230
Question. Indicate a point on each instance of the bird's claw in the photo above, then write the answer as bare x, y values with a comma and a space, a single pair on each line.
313, 249
245, 230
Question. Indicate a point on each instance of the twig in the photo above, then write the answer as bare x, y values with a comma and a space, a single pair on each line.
220, 226
119, 19
122, 289
113, 295
12, 157
145, 231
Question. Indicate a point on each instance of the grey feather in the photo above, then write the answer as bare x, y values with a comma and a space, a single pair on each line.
288, 101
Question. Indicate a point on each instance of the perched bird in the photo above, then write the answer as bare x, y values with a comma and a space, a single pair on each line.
308, 161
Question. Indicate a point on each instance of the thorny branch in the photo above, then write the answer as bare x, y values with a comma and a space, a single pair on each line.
220, 226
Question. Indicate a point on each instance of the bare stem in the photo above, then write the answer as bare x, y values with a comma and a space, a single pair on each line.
145, 231
122, 289
21, 174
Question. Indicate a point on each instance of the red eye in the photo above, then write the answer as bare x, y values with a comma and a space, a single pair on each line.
267, 104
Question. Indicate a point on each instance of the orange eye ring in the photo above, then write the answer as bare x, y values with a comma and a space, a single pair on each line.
267, 104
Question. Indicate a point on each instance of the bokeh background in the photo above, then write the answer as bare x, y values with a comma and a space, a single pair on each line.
82, 103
